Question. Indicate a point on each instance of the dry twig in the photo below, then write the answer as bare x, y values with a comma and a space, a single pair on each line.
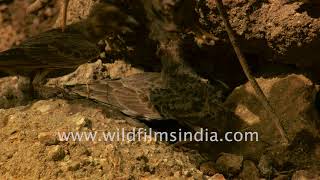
64, 14
245, 67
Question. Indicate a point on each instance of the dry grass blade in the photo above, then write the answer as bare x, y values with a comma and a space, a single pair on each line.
64, 12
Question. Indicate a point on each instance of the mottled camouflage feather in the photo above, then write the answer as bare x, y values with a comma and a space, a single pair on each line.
191, 102
55, 49
130, 95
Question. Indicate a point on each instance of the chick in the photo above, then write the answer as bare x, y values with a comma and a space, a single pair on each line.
54, 49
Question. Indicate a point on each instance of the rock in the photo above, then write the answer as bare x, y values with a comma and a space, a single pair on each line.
305, 175
177, 174
229, 163
265, 165
249, 171
14, 91
120, 69
300, 153
81, 151
187, 173
45, 107
89, 72
281, 177
208, 168
81, 121
74, 166
293, 99
77, 10
273, 36
82, 75
216, 177
56, 153
4, 121
48, 138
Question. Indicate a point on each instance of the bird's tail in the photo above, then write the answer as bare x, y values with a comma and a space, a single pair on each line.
16, 60
129, 95
9, 57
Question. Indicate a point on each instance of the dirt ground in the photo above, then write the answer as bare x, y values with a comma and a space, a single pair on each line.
30, 147
16, 25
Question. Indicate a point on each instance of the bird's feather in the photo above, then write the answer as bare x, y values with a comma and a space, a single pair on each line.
50, 50
55, 49
130, 95
190, 102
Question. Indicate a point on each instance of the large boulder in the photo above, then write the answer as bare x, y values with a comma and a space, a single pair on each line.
292, 97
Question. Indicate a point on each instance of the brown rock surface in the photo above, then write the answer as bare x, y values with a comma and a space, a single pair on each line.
305, 174
293, 98
269, 30
14, 91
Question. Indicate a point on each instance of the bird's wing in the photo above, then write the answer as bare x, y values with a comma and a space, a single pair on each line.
61, 50
52, 50
9, 57
130, 95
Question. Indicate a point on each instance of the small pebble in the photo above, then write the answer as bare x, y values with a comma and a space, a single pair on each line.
305, 175
82, 122
56, 153
229, 163
48, 138
249, 171
208, 168
265, 165
74, 166
217, 177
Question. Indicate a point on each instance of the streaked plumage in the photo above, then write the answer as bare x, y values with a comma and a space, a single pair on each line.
55, 49
176, 93
191, 102
131, 95
49, 50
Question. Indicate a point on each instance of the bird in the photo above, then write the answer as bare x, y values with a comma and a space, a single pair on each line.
192, 103
56, 50
176, 93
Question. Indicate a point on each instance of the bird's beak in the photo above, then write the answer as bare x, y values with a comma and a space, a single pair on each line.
64, 14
